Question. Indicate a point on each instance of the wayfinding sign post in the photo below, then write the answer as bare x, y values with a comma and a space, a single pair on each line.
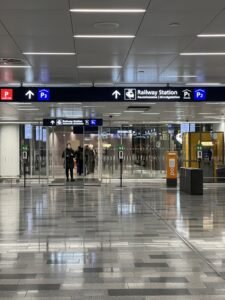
121, 149
112, 94
199, 154
24, 149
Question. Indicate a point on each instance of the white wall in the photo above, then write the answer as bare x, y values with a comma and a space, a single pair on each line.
9, 151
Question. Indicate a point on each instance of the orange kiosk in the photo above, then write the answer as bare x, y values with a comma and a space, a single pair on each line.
171, 168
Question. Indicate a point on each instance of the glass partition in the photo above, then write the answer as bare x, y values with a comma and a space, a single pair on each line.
144, 151
34, 138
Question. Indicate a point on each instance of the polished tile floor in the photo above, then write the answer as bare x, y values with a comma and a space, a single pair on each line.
139, 242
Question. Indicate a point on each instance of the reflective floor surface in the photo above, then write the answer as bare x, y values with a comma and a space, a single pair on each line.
139, 242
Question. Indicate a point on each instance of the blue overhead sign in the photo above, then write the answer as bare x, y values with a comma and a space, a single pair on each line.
43, 95
200, 94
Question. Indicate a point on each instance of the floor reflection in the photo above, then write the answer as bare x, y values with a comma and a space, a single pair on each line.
103, 242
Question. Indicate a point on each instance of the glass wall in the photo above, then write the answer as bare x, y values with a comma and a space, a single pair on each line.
34, 139
144, 151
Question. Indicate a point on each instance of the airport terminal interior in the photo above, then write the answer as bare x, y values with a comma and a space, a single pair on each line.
112, 163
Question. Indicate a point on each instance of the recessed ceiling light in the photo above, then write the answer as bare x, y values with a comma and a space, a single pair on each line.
28, 109
173, 111
74, 103
103, 36
215, 103
133, 111
203, 84
107, 10
212, 117
210, 113
211, 35
113, 113
14, 67
202, 53
106, 25
120, 122
146, 113
93, 106
49, 53
99, 67
174, 24
179, 76
20, 103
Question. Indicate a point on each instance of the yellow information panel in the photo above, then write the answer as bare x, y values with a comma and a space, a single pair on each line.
171, 168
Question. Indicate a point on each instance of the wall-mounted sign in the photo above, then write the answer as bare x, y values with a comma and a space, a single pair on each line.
73, 122
28, 131
187, 127
113, 94
39, 133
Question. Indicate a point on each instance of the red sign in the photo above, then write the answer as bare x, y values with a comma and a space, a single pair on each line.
7, 94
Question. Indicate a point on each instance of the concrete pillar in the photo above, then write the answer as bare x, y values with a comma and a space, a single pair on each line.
9, 151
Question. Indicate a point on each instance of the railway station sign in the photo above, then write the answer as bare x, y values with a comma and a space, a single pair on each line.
73, 122
112, 94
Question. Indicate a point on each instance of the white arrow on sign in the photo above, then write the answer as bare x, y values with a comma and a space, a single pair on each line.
116, 94
29, 94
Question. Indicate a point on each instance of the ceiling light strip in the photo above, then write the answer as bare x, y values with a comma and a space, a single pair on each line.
202, 53
88, 36
211, 35
49, 53
14, 67
106, 10
99, 67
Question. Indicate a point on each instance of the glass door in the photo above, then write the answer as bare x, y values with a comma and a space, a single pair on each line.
33, 138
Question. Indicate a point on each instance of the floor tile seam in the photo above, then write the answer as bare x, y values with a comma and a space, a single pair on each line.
186, 242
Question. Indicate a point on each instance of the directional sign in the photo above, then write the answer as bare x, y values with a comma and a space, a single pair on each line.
111, 94
116, 94
29, 94
73, 122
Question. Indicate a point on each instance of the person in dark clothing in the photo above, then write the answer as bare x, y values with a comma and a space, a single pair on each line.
80, 160
69, 156
210, 154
